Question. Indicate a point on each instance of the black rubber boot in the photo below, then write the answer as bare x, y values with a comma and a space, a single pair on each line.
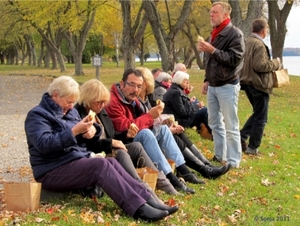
149, 213
199, 155
205, 170
152, 202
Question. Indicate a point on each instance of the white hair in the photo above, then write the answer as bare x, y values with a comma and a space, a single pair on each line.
64, 86
179, 77
179, 67
163, 77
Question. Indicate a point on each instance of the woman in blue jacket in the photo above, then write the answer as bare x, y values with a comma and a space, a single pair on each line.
57, 139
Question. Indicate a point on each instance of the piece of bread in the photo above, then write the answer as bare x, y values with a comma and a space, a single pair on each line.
91, 115
158, 102
200, 39
172, 119
133, 126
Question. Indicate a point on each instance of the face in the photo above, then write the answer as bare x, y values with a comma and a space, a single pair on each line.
97, 106
265, 32
185, 84
156, 74
66, 103
183, 69
132, 87
169, 82
217, 15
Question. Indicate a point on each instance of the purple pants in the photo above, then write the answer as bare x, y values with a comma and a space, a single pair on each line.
107, 173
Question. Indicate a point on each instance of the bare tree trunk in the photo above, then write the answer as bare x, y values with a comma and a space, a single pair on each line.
34, 60
255, 9
165, 41
142, 59
29, 49
47, 59
77, 42
117, 44
40, 59
132, 34
277, 25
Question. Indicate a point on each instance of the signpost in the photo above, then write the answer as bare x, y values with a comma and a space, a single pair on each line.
97, 62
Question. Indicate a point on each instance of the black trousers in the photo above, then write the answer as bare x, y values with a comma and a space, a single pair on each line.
255, 125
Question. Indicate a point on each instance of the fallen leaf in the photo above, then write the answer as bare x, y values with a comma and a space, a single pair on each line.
297, 196
100, 219
266, 182
39, 220
232, 219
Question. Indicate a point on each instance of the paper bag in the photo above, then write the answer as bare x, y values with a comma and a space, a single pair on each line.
22, 196
172, 164
281, 78
148, 175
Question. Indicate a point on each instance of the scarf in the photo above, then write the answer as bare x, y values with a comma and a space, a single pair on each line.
218, 29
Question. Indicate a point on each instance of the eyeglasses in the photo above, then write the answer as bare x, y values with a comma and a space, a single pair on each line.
134, 86
100, 102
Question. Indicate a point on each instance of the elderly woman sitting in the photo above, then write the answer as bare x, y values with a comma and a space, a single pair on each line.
180, 105
162, 82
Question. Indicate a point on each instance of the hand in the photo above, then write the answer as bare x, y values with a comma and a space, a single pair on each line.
205, 88
82, 127
193, 98
179, 129
167, 122
206, 47
132, 131
279, 61
176, 129
118, 144
201, 104
90, 133
156, 111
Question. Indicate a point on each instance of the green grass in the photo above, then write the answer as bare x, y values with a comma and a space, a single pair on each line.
265, 190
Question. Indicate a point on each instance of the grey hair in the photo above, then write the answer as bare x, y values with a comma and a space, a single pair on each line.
65, 86
163, 77
179, 77
179, 67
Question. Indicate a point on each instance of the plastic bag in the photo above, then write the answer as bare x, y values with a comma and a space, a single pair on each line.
163, 119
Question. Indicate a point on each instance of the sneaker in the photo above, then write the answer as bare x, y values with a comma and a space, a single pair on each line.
251, 151
244, 145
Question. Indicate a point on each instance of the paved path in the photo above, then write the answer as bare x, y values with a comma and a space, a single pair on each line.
18, 94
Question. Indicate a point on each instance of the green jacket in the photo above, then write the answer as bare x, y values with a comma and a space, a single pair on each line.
258, 66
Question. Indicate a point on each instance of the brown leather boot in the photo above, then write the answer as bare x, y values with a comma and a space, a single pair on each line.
204, 133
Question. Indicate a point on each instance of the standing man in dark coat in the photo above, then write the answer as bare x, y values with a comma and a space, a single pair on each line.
257, 81
224, 53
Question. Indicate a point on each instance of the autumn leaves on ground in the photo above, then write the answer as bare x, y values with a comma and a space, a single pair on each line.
265, 190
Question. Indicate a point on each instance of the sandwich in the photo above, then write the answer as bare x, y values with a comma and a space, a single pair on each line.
91, 116
158, 102
200, 39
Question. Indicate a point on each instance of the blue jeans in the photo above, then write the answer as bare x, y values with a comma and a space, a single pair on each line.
162, 140
254, 127
223, 119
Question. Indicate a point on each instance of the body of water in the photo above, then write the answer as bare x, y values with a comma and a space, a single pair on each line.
292, 63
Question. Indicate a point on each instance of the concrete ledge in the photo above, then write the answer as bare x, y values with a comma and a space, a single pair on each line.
47, 195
